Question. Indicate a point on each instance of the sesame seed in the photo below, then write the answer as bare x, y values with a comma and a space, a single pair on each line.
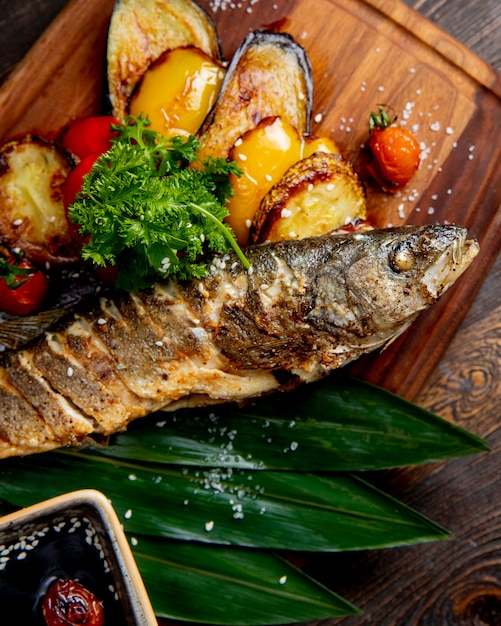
69, 372
101, 321
318, 118
128, 514
209, 526
283, 580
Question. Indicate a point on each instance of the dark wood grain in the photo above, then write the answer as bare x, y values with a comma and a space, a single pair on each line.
21, 23
458, 582
453, 583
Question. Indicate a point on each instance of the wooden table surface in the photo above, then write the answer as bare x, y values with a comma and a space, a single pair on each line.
453, 583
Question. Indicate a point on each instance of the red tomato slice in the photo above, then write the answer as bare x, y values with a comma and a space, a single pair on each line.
90, 135
26, 298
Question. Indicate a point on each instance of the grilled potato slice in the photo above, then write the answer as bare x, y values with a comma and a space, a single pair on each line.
32, 215
141, 30
317, 195
269, 76
264, 154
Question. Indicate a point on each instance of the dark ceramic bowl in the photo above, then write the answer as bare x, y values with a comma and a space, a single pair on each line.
74, 537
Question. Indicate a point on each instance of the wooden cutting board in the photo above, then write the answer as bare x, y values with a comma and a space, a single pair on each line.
363, 53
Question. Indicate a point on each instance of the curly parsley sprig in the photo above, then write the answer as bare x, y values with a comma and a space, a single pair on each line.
151, 208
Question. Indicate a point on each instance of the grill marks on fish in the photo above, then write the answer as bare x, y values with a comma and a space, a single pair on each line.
308, 307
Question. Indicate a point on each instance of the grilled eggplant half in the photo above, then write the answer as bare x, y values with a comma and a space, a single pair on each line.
140, 31
317, 195
32, 215
269, 76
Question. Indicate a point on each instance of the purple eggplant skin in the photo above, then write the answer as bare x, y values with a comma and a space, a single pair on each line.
140, 31
270, 75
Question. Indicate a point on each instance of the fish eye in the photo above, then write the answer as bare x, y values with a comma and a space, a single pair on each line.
401, 259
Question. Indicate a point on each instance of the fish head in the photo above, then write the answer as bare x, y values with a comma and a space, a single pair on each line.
425, 259
387, 277
400, 271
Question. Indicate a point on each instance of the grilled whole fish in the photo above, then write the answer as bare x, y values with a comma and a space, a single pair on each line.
307, 307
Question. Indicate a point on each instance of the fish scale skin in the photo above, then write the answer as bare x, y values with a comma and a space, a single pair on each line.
306, 308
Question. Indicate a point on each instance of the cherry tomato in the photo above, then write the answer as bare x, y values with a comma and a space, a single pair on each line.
22, 287
395, 152
72, 186
69, 602
90, 135
73, 183
107, 275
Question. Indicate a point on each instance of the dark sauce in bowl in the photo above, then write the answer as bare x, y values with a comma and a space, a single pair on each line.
68, 548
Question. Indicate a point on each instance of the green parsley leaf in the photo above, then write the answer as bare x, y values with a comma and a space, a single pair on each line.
153, 209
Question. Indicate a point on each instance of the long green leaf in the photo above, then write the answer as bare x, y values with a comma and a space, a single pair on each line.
280, 510
218, 585
337, 424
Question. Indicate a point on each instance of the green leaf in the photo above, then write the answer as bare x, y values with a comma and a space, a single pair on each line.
337, 424
217, 585
279, 510
140, 204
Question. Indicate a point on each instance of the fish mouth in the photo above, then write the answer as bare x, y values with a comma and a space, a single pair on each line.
450, 265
